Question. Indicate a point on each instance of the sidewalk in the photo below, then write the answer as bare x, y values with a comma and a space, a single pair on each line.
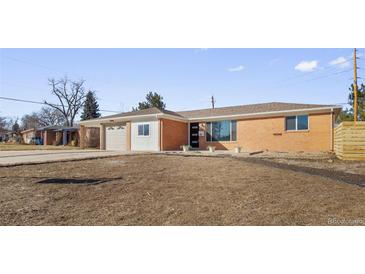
12, 158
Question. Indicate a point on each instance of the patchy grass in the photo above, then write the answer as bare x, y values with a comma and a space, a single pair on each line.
174, 190
17, 147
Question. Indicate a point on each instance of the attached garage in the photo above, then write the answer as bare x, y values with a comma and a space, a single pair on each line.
116, 137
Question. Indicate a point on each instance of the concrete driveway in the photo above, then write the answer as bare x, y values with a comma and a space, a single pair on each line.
9, 158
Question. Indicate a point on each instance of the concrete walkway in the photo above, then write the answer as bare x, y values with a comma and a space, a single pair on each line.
12, 158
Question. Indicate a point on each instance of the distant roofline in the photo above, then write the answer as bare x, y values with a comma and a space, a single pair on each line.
27, 130
50, 128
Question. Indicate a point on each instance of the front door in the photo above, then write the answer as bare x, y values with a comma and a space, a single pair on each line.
194, 135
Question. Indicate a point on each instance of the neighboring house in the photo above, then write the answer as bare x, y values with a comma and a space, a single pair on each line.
52, 135
29, 134
10, 136
270, 126
4, 135
59, 135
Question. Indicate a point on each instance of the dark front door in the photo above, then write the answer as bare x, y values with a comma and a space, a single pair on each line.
194, 135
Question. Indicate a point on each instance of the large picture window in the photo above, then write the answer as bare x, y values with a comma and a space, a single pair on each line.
299, 122
144, 130
221, 131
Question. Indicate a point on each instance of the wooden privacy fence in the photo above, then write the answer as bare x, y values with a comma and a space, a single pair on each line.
349, 141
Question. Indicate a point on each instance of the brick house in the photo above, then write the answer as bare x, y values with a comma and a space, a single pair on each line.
269, 126
51, 135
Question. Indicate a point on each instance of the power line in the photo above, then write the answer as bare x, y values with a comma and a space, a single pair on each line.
30, 63
329, 75
50, 68
42, 103
337, 73
327, 68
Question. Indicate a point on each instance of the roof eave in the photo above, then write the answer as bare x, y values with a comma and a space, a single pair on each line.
97, 122
132, 118
268, 113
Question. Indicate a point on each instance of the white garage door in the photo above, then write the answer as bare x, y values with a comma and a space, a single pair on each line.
115, 138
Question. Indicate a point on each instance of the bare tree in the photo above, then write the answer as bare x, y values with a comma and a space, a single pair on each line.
50, 117
29, 121
47, 116
3, 124
71, 96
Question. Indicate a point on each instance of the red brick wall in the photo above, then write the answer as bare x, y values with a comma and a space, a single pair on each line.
90, 138
49, 137
173, 135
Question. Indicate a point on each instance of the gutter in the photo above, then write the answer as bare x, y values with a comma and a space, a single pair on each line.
270, 113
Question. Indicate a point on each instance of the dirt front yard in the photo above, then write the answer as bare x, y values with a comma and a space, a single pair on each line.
174, 190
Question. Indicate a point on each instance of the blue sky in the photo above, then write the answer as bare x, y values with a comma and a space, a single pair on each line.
186, 78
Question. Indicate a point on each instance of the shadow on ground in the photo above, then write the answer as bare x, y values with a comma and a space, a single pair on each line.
77, 181
340, 176
68, 181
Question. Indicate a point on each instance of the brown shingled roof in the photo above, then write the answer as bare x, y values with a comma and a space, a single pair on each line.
247, 109
223, 111
147, 111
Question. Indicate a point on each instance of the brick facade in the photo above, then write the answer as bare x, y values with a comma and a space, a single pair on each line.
270, 134
173, 134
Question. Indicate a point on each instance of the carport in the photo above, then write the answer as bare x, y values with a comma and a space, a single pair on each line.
68, 134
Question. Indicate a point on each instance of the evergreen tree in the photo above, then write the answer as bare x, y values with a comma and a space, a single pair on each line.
153, 99
15, 128
91, 107
360, 101
348, 114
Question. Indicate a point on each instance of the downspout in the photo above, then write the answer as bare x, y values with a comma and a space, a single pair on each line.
159, 133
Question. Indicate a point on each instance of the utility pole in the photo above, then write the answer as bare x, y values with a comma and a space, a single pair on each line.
355, 88
213, 101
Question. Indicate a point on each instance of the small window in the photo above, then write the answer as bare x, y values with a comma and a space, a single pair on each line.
299, 122
144, 130
208, 130
233, 130
302, 122
221, 131
290, 123
140, 130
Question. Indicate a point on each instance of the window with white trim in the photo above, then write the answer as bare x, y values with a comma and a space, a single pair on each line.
144, 130
221, 131
298, 122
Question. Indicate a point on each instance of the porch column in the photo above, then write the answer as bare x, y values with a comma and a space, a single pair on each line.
102, 137
161, 135
45, 137
82, 136
128, 124
64, 137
